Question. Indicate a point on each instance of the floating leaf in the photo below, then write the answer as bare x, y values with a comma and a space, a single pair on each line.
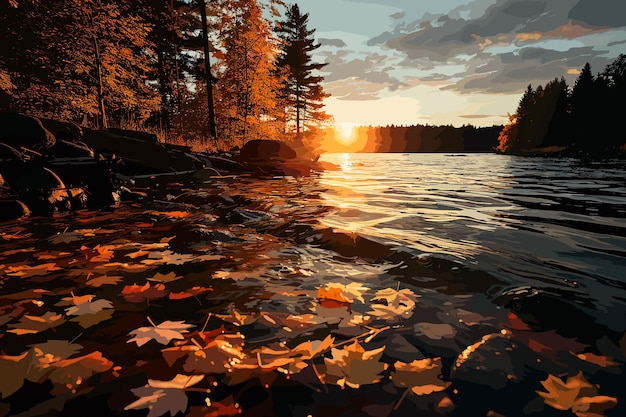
169, 277
338, 295
104, 280
35, 324
13, 370
162, 333
354, 366
161, 397
576, 394
389, 304
217, 356
138, 293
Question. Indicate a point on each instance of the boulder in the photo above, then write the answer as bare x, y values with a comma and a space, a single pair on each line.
63, 130
261, 150
21, 130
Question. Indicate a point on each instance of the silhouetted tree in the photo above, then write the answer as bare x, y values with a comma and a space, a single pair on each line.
303, 94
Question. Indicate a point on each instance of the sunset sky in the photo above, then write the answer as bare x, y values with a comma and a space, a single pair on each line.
451, 61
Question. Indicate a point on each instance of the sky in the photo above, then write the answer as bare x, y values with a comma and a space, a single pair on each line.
452, 62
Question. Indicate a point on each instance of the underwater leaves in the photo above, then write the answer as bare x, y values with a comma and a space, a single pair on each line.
576, 394
163, 333
421, 376
216, 356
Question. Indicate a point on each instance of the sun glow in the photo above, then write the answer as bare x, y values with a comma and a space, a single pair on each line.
345, 133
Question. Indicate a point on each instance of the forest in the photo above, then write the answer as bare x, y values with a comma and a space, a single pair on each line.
178, 68
581, 121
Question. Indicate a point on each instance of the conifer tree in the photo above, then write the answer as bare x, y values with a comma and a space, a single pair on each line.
303, 94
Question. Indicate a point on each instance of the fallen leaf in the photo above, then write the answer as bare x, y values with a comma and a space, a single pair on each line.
88, 307
162, 333
104, 280
422, 376
138, 293
216, 357
576, 394
354, 366
191, 292
13, 370
35, 324
161, 397
27, 271
71, 373
169, 277
342, 293
390, 304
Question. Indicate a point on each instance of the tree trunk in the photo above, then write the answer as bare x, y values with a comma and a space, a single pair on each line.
207, 75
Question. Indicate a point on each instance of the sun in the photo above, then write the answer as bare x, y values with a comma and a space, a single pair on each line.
345, 133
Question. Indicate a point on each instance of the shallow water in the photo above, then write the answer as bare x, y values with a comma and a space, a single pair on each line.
457, 243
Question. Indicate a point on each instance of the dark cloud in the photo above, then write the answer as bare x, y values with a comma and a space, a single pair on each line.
600, 13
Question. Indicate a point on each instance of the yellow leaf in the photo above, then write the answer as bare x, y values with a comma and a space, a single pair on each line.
422, 376
562, 395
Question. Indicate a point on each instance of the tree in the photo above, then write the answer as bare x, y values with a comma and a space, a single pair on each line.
247, 95
302, 94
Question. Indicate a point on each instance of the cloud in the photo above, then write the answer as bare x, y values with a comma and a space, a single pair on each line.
600, 13
332, 42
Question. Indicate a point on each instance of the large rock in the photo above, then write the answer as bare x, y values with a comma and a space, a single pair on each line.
63, 130
259, 150
21, 130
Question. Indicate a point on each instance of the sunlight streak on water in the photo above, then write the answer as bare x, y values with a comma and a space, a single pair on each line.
556, 221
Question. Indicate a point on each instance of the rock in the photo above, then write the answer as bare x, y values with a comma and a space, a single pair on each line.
63, 130
260, 150
140, 154
498, 371
21, 130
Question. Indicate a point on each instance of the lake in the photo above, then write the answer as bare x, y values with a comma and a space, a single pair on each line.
395, 284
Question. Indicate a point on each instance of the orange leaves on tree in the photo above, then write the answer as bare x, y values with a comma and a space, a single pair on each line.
163, 333
421, 376
354, 366
575, 394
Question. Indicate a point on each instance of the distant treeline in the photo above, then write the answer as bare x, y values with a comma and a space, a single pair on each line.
584, 121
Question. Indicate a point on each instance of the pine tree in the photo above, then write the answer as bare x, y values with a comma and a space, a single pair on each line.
303, 94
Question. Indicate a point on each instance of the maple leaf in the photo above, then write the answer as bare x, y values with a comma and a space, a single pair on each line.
576, 394
345, 294
71, 373
162, 333
191, 292
354, 366
35, 324
217, 356
158, 277
389, 304
104, 280
161, 397
13, 370
137, 293
422, 376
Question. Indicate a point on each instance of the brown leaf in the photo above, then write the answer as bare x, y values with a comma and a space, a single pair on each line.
354, 366
35, 324
563, 395
162, 333
138, 293
422, 376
